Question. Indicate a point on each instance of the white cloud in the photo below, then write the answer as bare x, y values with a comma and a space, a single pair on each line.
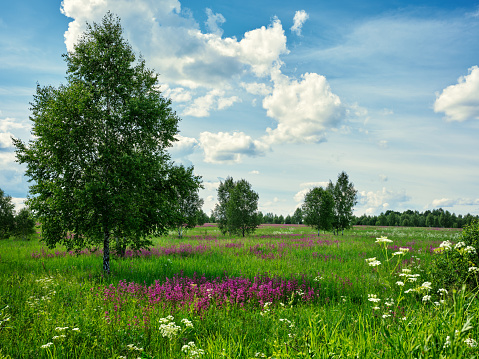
448, 202
306, 187
460, 102
304, 109
19, 203
6, 140
184, 146
255, 88
377, 201
254, 172
171, 41
300, 18
383, 144
214, 22
214, 99
177, 95
223, 147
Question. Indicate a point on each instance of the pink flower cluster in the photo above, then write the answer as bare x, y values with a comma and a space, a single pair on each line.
199, 293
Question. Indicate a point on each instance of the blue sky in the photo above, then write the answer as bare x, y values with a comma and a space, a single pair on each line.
284, 94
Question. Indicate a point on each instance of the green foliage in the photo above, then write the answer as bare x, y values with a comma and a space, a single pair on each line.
318, 209
187, 205
24, 224
345, 197
236, 211
7, 214
458, 264
98, 163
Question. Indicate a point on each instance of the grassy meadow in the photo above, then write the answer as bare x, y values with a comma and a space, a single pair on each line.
283, 292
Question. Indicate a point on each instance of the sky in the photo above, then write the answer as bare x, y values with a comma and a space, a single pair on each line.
284, 94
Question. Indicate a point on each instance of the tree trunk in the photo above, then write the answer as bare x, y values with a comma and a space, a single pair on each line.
106, 252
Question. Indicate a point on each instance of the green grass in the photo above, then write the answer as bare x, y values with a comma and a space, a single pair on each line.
46, 294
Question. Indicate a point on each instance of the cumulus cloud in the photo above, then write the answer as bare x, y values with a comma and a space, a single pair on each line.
306, 187
172, 42
300, 18
449, 202
304, 109
460, 102
6, 140
214, 99
378, 201
254, 172
214, 22
256, 88
223, 147
184, 146
177, 94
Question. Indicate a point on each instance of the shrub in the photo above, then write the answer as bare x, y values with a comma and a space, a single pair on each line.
456, 264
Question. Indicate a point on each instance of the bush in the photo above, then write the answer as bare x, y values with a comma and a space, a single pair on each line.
24, 224
456, 264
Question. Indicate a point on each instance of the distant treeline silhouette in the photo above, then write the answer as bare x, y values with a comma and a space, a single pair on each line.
436, 218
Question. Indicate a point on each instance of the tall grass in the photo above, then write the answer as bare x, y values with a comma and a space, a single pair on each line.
281, 293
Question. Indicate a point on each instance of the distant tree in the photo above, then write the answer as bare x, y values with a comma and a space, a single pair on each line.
7, 215
298, 216
220, 210
202, 218
345, 198
318, 209
280, 219
24, 224
98, 161
187, 205
242, 206
382, 219
288, 220
268, 218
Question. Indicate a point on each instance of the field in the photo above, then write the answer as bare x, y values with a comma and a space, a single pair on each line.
283, 292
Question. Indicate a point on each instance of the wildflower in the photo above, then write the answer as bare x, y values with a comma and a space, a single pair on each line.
59, 336
76, 329
383, 239
373, 298
187, 323
404, 249
44, 346
406, 270
61, 328
426, 286
318, 278
399, 283
374, 263
470, 249
426, 298
446, 245
442, 291
167, 328
376, 308
470, 342
474, 269
386, 316
459, 245
389, 302
447, 343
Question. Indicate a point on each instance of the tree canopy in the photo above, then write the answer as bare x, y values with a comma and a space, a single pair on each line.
236, 210
7, 215
318, 209
98, 163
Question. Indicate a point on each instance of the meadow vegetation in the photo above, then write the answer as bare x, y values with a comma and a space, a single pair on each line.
284, 292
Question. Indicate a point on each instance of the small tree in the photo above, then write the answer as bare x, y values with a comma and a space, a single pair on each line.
98, 161
345, 197
242, 209
187, 206
297, 216
7, 215
236, 211
318, 209
224, 191
24, 224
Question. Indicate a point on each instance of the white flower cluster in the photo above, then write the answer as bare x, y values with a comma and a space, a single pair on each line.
470, 342
474, 269
134, 347
373, 298
383, 239
266, 309
187, 323
192, 351
447, 245
401, 251
373, 262
168, 328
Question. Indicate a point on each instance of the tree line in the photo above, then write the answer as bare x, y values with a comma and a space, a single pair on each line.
327, 209
438, 218
19, 224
